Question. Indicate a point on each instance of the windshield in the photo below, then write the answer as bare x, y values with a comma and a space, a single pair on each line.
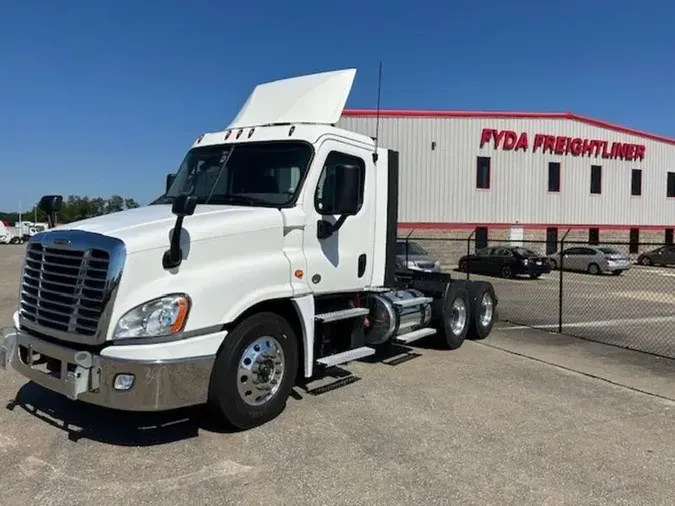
525, 252
413, 249
267, 173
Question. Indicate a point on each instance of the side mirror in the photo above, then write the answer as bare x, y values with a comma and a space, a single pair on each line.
184, 205
170, 178
51, 204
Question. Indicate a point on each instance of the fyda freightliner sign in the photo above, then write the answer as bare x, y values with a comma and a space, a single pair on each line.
509, 140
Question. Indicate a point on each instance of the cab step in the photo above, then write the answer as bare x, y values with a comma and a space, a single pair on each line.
342, 314
346, 356
414, 335
413, 302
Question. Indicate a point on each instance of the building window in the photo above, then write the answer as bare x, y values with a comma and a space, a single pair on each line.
481, 237
551, 240
634, 240
483, 172
596, 179
670, 191
594, 236
669, 235
636, 182
554, 176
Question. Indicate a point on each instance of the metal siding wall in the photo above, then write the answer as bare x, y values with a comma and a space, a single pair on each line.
440, 185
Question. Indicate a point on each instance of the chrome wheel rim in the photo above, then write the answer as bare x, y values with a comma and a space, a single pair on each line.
458, 316
487, 309
261, 370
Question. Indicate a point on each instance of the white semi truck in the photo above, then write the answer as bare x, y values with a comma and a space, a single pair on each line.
271, 254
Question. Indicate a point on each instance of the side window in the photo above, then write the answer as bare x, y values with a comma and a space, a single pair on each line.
588, 252
573, 251
329, 181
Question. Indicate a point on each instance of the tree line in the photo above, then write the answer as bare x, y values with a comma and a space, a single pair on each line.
75, 208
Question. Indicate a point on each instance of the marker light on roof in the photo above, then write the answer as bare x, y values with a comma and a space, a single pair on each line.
199, 139
227, 134
239, 134
290, 132
250, 132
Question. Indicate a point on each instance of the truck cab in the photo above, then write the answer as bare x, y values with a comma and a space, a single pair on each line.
270, 255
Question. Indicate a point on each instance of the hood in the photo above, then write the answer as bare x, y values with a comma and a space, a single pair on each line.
149, 227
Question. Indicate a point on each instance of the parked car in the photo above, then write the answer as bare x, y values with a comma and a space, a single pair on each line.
665, 255
416, 259
505, 261
591, 259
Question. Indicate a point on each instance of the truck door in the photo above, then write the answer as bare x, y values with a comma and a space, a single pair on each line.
343, 261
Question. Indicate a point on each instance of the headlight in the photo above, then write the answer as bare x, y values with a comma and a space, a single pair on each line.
526, 261
159, 317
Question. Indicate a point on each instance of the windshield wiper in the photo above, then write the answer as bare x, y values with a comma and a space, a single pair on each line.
236, 199
164, 199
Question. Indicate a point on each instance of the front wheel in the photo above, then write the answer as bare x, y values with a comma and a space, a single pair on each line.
255, 371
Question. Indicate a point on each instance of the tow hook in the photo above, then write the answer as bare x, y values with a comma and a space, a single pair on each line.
7, 346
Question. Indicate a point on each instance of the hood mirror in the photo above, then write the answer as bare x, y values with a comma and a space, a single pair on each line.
183, 205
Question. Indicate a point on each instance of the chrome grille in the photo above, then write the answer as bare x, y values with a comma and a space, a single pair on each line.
68, 282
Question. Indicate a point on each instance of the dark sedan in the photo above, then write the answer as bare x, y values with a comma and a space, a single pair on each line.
505, 261
665, 255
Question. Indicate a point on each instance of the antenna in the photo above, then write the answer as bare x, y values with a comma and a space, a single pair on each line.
377, 120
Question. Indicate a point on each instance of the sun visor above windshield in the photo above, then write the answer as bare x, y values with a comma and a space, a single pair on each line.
314, 98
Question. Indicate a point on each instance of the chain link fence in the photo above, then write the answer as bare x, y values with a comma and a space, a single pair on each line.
617, 293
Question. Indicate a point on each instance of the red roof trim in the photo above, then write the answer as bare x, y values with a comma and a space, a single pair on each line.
402, 113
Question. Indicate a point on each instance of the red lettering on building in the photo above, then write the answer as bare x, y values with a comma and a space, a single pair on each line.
509, 140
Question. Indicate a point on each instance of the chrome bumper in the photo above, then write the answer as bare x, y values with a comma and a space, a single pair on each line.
80, 375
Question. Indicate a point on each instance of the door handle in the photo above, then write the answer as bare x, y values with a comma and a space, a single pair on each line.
362, 265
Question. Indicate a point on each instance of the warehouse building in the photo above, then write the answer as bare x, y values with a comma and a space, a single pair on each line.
527, 176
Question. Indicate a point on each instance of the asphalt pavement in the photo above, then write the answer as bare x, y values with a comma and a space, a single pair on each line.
524, 417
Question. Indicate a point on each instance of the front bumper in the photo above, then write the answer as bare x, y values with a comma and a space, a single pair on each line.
79, 375
617, 266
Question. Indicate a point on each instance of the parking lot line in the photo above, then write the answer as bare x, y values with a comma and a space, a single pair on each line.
598, 323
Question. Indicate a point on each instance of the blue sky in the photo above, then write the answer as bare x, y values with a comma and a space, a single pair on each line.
105, 97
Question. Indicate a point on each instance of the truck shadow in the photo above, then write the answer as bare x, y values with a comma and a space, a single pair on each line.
85, 421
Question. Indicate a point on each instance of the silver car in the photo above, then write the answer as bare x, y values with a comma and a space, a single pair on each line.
591, 259
416, 259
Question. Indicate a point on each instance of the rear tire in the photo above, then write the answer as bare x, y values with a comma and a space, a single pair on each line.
261, 348
464, 266
594, 269
483, 309
553, 264
456, 315
646, 261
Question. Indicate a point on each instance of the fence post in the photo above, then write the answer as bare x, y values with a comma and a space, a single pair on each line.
560, 283
407, 246
468, 254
